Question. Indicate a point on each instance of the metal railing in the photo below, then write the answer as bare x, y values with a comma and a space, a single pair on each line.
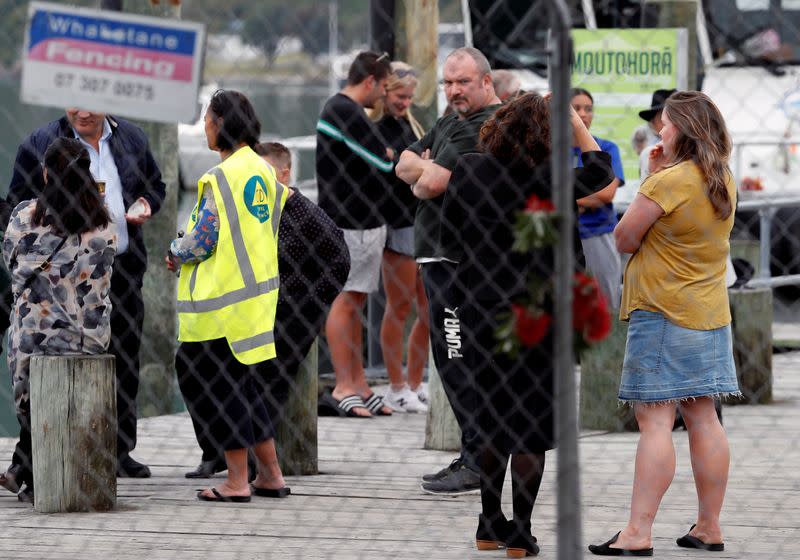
767, 208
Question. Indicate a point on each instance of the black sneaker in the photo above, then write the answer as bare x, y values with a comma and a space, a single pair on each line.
457, 462
462, 480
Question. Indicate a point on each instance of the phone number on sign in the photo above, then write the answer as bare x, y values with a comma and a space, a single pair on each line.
103, 85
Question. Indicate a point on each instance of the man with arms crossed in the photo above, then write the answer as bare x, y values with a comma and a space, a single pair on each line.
426, 165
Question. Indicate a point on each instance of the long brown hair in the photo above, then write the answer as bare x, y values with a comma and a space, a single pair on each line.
519, 130
703, 138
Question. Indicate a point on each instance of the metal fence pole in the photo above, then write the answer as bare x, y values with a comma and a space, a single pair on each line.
569, 510
765, 216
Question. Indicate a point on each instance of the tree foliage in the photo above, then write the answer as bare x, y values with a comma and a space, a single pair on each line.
12, 28
260, 22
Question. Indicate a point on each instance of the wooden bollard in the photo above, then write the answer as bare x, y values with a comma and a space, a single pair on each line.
601, 366
74, 432
752, 343
296, 438
441, 427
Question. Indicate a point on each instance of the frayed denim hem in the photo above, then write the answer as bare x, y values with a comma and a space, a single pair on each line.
724, 396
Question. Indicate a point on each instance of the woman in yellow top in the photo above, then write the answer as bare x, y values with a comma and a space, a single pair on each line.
679, 351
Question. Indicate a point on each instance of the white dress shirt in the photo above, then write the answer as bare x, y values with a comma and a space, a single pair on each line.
103, 168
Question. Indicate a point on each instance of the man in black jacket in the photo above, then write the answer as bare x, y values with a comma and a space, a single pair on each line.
121, 158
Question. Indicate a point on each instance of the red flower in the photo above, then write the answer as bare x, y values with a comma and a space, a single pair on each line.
536, 204
590, 314
599, 325
584, 292
529, 328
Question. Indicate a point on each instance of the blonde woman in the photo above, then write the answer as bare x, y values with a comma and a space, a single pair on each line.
401, 283
679, 351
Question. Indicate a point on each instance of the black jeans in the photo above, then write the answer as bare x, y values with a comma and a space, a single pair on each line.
444, 297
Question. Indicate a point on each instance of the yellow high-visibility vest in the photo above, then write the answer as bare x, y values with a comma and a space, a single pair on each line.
234, 293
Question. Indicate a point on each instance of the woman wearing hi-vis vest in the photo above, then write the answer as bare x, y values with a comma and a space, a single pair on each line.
227, 297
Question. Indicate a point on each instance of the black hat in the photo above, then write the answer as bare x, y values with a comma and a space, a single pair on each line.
659, 98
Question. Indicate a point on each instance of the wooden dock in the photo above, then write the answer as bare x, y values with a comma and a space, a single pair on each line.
367, 502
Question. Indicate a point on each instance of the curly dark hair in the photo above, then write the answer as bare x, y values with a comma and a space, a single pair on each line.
519, 130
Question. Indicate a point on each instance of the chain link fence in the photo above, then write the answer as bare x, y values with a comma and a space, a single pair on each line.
392, 329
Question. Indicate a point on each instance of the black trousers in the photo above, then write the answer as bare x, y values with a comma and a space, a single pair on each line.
296, 328
443, 291
127, 317
222, 397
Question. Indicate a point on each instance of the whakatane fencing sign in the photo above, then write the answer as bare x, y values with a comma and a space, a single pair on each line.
622, 68
130, 65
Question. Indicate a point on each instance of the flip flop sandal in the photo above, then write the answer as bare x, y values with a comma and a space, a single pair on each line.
271, 493
375, 405
689, 541
220, 498
329, 406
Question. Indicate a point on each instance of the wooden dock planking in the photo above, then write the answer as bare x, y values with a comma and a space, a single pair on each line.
367, 502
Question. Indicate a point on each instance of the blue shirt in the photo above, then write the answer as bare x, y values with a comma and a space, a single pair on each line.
599, 221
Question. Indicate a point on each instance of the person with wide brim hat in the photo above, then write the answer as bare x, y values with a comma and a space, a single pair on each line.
657, 104
647, 135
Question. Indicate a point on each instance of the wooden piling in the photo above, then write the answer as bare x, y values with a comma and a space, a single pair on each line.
74, 432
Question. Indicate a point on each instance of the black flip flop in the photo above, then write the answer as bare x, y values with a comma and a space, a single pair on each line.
689, 541
220, 498
606, 550
272, 493
329, 406
375, 404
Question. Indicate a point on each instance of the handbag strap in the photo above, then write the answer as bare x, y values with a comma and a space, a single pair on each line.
41, 267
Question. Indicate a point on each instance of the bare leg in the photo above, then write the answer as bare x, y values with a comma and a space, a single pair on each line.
341, 328
399, 275
236, 483
708, 446
419, 337
269, 470
655, 468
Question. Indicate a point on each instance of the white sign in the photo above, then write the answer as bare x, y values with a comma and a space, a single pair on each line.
111, 62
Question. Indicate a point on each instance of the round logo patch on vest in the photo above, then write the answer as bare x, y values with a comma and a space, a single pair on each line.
255, 198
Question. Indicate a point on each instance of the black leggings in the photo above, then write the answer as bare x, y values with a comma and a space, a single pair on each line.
526, 477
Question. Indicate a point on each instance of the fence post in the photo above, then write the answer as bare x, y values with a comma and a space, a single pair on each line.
441, 427
74, 432
570, 540
601, 365
751, 310
296, 437
158, 389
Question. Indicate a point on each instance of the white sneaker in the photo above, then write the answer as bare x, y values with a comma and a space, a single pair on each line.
404, 400
422, 394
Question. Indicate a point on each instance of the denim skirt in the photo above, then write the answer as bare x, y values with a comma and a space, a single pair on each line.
665, 362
